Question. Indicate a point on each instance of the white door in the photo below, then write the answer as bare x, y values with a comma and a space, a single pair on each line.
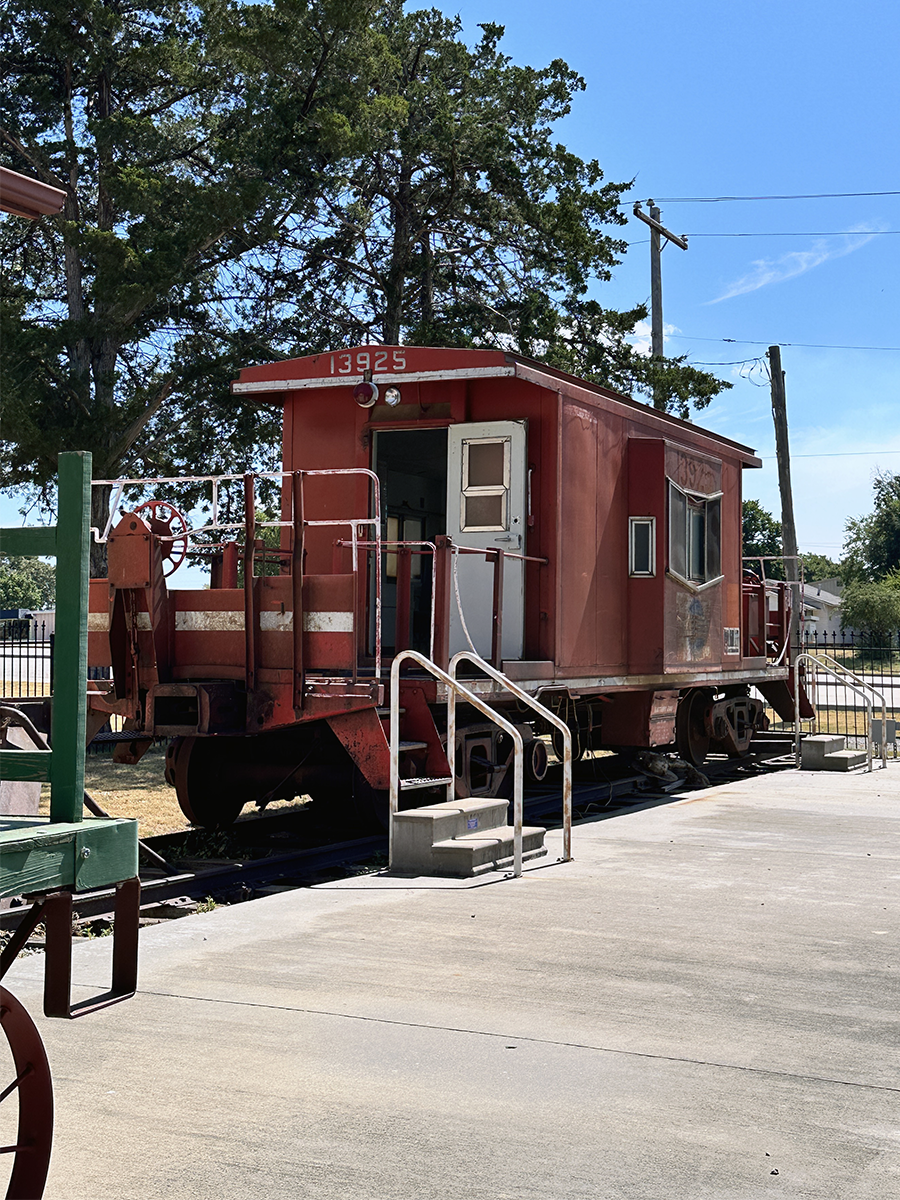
486, 509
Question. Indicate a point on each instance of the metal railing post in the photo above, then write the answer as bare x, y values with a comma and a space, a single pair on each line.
455, 688
551, 717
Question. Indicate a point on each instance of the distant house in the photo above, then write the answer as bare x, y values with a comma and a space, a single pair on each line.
822, 608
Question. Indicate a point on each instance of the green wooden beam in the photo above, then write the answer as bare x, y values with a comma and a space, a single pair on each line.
37, 540
39, 856
69, 717
31, 766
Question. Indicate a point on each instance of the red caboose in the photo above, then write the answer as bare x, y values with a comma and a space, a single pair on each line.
586, 545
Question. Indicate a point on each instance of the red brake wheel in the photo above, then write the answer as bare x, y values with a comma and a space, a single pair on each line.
167, 522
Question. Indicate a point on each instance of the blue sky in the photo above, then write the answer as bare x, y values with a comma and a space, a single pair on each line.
701, 99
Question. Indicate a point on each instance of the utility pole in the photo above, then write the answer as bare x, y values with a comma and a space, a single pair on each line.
783, 453
657, 232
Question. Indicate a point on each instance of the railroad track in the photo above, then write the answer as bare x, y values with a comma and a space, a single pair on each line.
258, 861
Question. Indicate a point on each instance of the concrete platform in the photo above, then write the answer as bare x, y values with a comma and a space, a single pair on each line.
705, 1005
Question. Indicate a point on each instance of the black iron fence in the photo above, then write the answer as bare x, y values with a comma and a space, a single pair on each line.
840, 708
26, 658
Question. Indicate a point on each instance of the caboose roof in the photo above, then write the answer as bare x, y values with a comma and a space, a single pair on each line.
430, 363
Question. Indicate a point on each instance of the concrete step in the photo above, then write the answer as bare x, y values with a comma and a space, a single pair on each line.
814, 748
417, 829
475, 853
843, 760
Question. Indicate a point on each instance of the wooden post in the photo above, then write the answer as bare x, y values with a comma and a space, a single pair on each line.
656, 319
783, 453
657, 232
69, 715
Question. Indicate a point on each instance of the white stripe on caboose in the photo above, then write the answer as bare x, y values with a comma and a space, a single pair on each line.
328, 622
313, 622
232, 621
229, 620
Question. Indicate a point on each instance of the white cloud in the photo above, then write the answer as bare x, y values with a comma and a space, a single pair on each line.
641, 338
797, 262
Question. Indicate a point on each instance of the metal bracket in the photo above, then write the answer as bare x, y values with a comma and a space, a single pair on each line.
55, 910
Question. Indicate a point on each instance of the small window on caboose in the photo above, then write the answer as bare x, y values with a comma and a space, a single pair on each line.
695, 541
642, 546
485, 484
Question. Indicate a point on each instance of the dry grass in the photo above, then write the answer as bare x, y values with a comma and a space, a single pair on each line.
140, 792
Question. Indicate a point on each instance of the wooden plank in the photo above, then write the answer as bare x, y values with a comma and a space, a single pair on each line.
87, 854
37, 868
36, 540
32, 766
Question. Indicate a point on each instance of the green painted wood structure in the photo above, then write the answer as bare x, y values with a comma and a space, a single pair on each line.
66, 850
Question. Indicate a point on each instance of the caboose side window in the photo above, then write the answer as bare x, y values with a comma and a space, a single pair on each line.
642, 545
695, 552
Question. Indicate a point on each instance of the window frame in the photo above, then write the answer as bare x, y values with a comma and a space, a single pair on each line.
494, 489
633, 524
686, 552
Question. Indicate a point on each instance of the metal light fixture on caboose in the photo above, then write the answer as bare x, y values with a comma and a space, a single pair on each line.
365, 394
392, 396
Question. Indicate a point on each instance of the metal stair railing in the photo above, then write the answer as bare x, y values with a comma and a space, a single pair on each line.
454, 688
550, 717
860, 687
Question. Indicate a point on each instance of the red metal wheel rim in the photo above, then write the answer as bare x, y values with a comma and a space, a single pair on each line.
32, 1085
163, 519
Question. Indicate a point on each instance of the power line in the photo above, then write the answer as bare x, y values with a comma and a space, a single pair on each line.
835, 233
839, 454
806, 196
740, 362
799, 345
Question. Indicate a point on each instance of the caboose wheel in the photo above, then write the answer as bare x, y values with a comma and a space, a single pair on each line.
692, 726
30, 1084
210, 793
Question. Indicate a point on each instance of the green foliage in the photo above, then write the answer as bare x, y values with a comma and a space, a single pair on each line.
762, 536
872, 607
466, 223
249, 181
26, 582
819, 566
187, 134
872, 543
761, 533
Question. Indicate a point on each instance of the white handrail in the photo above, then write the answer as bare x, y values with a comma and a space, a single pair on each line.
476, 702
838, 670
550, 717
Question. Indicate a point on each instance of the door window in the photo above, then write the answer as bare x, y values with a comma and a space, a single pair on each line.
485, 485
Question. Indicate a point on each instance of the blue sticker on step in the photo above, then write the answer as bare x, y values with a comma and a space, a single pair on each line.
472, 823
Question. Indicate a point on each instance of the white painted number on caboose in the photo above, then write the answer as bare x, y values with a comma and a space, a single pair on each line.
347, 363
